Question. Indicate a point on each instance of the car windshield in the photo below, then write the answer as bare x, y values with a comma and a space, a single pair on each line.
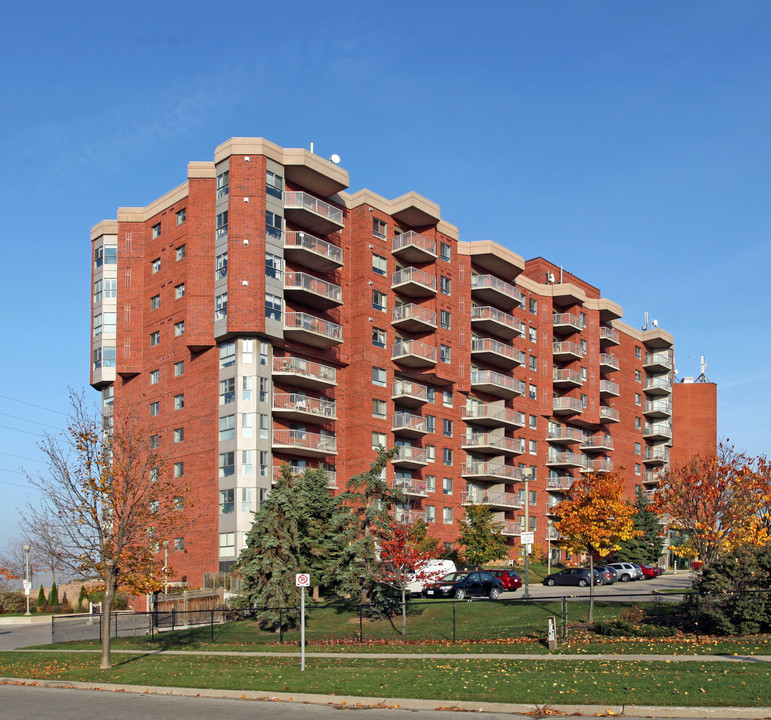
454, 576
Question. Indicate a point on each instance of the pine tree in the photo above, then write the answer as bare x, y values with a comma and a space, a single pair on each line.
82, 597
41, 598
53, 596
481, 536
645, 549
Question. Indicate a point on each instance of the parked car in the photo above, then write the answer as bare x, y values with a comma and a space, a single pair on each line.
638, 571
651, 571
510, 579
572, 576
427, 572
459, 585
626, 571
608, 575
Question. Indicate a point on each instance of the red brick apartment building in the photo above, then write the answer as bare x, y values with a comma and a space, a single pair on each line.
259, 314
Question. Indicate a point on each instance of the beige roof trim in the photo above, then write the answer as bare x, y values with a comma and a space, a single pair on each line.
200, 169
608, 309
405, 208
139, 214
492, 256
105, 227
657, 337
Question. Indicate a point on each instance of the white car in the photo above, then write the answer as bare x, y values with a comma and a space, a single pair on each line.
428, 572
626, 571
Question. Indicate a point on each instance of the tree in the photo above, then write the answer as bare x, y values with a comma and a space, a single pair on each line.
41, 598
110, 503
716, 504
44, 550
53, 595
13, 559
645, 548
594, 519
481, 539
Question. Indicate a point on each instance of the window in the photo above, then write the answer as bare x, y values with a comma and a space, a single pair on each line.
156, 230
155, 441
274, 184
155, 408
533, 363
227, 464
179, 368
247, 425
378, 300
379, 264
430, 423
108, 395
227, 427
637, 376
431, 453
444, 353
227, 354
246, 469
110, 288
247, 351
264, 420
447, 515
154, 473
227, 391
533, 422
97, 324
155, 376
378, 337
583, 401
155, 338
223, 183
444, 285
379, 228
637, 423
446, 486
447, 427
154, 506
447, 398
583, 374
110, 319
533, 497
181, 217
247, 382
179, 435
222, 223
179, 328
227, 501
532, 392
430, 513
637, 469
179, 469
378, 408
637, 351
272, 306
221, 266
583, 347
274, 224
264, 390
179, 291
431, 394
378, 440
379, 376
431, 483
98, 291
533, 447
637, 399
104, 357
532, 305
444, 319
98, 256
227, 544
179, 543
445, 251
179, 401
221, 306
637, 448
273, 265
264, 352
532, 334
155, 266
447, 456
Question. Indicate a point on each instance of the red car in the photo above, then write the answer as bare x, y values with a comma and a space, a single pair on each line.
651, 571
510, 579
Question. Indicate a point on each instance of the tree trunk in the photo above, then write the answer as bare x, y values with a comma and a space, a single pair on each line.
109, 596
591, 588
404, 610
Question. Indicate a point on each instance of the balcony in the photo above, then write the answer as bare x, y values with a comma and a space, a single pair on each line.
658, 362
658, 431
495, 291
414, 248
608, 362
652, 477
493, 415
409, 457
600, 442
608, 336
302, 443
658, 408
303, 373
409, 393
311, 330
409, 425
550, 508
502, 500
598, 465
567, 351
658, 386
496, 322
312, 291
311, 213
405, 516
554, 535
491, 472
496, 353
564, 459
496, 384
511, 528
411, 487
562, 434
413, 353
608, 389
297, 471
609, 414
413, 282
566, 323
567, 406
494, 444
413, 318
556, 482
567, 378
658, 455
312, 252
295, 406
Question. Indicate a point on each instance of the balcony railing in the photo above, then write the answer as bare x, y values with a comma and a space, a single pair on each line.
566, 405
564, 459
312, 289
567, 322
312, 251
608, 388
414, 353
411, 486
300, 440
304, 372
298, 403
496, 383
489, 286
407, 391
413, 318
494, 471
608, 362
496, 321
494, 499
496, 352
297, 471
562, 433
598, 465
608, 335
658, 385
660, 430
511, 528
567, 349
313, 330
597, 442
409, 456
498, 444
488, 414
567, 377
658, 407
656, 454
406, 423
558, 482
609, 414
408, 517
658, 361
307, 202
412, 281
414, 247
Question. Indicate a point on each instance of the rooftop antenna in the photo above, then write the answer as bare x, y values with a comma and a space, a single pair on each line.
645, 321
335, 158
654, 323
311, 147
702, 377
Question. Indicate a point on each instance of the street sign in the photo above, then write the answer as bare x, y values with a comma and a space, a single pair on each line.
302, 580
527, 538
27, 585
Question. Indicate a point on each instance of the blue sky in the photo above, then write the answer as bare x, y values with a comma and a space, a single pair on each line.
626, 141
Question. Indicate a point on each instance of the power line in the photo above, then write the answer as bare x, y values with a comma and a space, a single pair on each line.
34, 422
21, 457
26, 432
39, 407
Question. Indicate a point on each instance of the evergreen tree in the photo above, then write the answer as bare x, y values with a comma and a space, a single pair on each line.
82, 597
481, 537
41, 598
53, 596
647, 548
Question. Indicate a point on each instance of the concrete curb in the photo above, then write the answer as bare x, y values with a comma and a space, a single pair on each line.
353, 701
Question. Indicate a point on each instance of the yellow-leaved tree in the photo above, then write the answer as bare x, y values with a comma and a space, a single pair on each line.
594, 519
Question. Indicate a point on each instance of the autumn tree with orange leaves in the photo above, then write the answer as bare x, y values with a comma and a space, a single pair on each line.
595, 519
717, 503
109, 502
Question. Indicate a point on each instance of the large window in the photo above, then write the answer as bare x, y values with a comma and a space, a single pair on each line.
273, 265
227, 391
379, 376
221, 266
227, 501
227, 354
274, 224
227, 544
227, 464
378, 300
221, 306
227, 427
274, 184
379, 264
272, 306
223, 183
222, 223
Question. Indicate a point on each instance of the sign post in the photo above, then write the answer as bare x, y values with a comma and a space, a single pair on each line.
302, 580
527, 539
552, 632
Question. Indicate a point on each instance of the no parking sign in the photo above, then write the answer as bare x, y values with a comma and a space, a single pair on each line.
302, 580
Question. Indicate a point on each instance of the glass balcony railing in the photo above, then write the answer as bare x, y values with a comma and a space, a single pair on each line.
410, 276
303, 370
412, 244
313, 324
312, 251
313, 286
490, 317
296, 402
417, 314
484, 283
313, 204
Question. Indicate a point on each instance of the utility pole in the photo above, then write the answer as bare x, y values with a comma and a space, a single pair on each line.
27, 584
527, 474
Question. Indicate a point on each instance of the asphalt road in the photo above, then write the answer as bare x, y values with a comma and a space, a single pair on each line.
16, 636
680, 581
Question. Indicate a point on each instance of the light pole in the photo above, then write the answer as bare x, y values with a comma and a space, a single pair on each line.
527, 474
29, 586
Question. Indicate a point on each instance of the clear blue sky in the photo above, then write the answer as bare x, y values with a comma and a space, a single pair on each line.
626, 141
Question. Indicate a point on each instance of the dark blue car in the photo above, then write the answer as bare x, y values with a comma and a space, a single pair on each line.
460, 585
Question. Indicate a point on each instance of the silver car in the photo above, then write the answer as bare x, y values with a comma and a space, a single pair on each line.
626, 571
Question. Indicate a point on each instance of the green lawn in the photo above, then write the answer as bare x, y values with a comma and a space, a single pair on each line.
446, 680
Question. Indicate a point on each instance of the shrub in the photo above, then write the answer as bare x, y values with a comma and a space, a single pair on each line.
13, 602
626, 628
53, 596
41, 599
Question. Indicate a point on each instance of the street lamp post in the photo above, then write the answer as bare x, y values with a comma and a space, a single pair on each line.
527, 474
28, 585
